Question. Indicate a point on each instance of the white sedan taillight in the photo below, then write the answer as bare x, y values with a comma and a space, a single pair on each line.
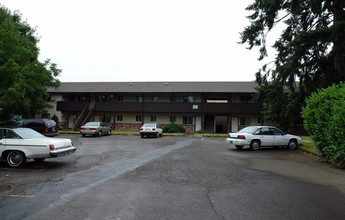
51, 146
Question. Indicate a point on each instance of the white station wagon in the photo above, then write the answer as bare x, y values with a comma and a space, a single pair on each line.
19, 144
259, 136
151, 130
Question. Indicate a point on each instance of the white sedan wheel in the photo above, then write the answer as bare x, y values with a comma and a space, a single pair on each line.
255, 145
292, 145
16, 159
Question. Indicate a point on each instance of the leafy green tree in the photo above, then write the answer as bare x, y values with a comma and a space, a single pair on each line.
278, 104
23, 78
311, 48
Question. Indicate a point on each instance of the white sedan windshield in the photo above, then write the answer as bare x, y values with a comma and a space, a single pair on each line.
28, 133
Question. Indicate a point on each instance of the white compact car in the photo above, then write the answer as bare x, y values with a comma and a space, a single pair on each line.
151, 130
259, 136
19, 144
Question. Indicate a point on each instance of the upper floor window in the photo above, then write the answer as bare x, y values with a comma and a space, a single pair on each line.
188, 98
140, 99
72, 98
154, 99
120, 98
172, 98
245, 99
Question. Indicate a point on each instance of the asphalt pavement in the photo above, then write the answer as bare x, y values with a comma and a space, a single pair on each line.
126, 177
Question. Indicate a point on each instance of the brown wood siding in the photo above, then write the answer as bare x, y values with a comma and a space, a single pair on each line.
168, 107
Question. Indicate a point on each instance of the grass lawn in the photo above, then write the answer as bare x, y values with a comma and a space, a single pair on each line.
308, 144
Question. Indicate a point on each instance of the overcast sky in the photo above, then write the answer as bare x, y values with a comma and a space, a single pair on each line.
142, 40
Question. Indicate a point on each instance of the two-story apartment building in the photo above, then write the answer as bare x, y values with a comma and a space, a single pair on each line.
211, 106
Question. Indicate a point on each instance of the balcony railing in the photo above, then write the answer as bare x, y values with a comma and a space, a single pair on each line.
165, 107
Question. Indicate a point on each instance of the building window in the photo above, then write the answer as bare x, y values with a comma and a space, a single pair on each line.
172, 119
120, 98
188, 98
245, 99
139, 99
138, 118
101, 98
72, 98
188, 120
172, 98
119, 118
105, 118
153, 118
244, 121
154, 99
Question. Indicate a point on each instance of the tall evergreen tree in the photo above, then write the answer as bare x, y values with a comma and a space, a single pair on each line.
23, 78
311, 48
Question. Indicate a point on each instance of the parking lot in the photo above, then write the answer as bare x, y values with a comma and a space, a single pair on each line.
126, 177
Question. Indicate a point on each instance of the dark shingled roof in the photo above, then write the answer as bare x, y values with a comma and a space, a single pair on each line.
155, 87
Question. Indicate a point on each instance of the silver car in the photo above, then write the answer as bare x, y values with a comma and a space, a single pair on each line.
95, 128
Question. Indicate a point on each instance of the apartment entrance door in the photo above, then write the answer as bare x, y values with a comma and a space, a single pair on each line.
221, 124
209, 123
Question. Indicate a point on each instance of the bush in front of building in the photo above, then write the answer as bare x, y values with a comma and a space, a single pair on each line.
174, 128
325, 122
56, 119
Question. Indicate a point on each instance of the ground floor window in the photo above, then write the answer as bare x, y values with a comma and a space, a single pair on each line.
104, 117
172, 119
188, 120
138, 118
153, 118
245, 121
119, 118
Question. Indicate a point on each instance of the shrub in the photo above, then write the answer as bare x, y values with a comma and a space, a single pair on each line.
324, 120
173, 128
200, 132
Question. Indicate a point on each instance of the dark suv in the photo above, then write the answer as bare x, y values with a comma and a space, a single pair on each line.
47, 127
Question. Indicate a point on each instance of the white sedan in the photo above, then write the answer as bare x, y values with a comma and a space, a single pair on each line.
19, 144
259, 136
151, 129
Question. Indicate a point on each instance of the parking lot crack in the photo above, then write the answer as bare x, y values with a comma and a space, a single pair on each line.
208, 190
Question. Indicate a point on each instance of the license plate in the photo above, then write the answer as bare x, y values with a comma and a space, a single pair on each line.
147, 129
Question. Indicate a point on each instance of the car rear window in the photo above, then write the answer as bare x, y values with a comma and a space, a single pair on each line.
51, 123
149, 125
91, 124
248, 130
